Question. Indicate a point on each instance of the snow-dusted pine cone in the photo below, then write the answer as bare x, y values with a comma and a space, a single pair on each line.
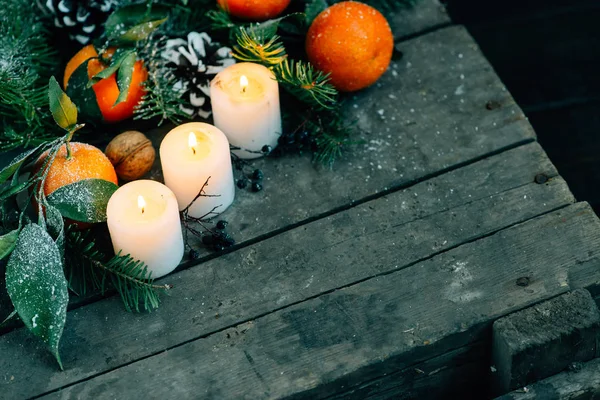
81, 19
196, 60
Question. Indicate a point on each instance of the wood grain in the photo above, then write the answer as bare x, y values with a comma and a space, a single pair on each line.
331, 343
371, 239
582, 382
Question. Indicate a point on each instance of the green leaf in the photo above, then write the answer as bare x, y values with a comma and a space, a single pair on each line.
62, 108
15, 164
12, 314
56, 228
124, 77
314, 8
83, 95
14, 189
37, 286
83, 201
135, 22
7, 243
268, 29
115, 64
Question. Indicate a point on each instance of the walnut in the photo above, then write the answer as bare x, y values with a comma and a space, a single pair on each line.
132, 155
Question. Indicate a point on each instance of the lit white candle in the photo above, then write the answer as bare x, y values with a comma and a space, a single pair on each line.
189, 155
245, 105
143, 220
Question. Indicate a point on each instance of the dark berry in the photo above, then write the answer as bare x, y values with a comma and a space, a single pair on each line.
208, 239
242, 183
228, 241
257, 186
257, 175
266, 148
221, 225
194, 254
219, 247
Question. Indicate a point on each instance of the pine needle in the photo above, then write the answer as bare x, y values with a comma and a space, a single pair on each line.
161, 100
307, 84
26, 62
255, 47
88, 270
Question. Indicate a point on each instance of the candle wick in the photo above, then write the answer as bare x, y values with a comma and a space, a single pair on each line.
244, 89
142, 210
194, 150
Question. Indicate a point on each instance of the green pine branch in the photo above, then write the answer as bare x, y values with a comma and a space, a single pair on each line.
160, 100
87, 269
26, 62
253, 46
307, 84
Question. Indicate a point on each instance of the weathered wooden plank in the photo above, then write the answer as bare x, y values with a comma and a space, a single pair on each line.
541, 341
338, 340
427, 114
459, 374
424, 16
581, 383
376, 237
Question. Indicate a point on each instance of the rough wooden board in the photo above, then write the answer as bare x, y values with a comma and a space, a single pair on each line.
321, 346
581, 385
377, 237
427, 114
541, 341
458, 374
425, 15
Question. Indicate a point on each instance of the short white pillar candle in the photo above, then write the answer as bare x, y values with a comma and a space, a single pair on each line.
245, 105
143, 220
190, 154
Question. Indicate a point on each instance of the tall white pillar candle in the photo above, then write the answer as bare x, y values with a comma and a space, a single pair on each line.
143, 220
190, 154
245, 105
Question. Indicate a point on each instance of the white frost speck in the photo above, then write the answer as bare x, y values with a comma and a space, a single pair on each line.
460, 90
33, 323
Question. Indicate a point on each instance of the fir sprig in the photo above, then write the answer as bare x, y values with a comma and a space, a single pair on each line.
26, 62
310, 86
88, 270
253, 46
161, 100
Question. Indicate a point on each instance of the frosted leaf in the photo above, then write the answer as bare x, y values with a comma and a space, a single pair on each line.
83, 201
37, 287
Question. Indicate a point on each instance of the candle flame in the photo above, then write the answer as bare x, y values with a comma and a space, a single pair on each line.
244, 83
141, 203
193, 142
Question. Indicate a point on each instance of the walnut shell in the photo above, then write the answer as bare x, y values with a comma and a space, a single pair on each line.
132, 155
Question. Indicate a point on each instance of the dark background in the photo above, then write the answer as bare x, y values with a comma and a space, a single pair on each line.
548, 55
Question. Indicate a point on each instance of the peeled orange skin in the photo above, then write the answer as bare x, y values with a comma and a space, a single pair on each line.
86, 162
106, 90
352, 42
254, 10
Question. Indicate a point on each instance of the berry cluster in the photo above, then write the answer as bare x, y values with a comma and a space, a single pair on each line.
216, 240
254, 179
